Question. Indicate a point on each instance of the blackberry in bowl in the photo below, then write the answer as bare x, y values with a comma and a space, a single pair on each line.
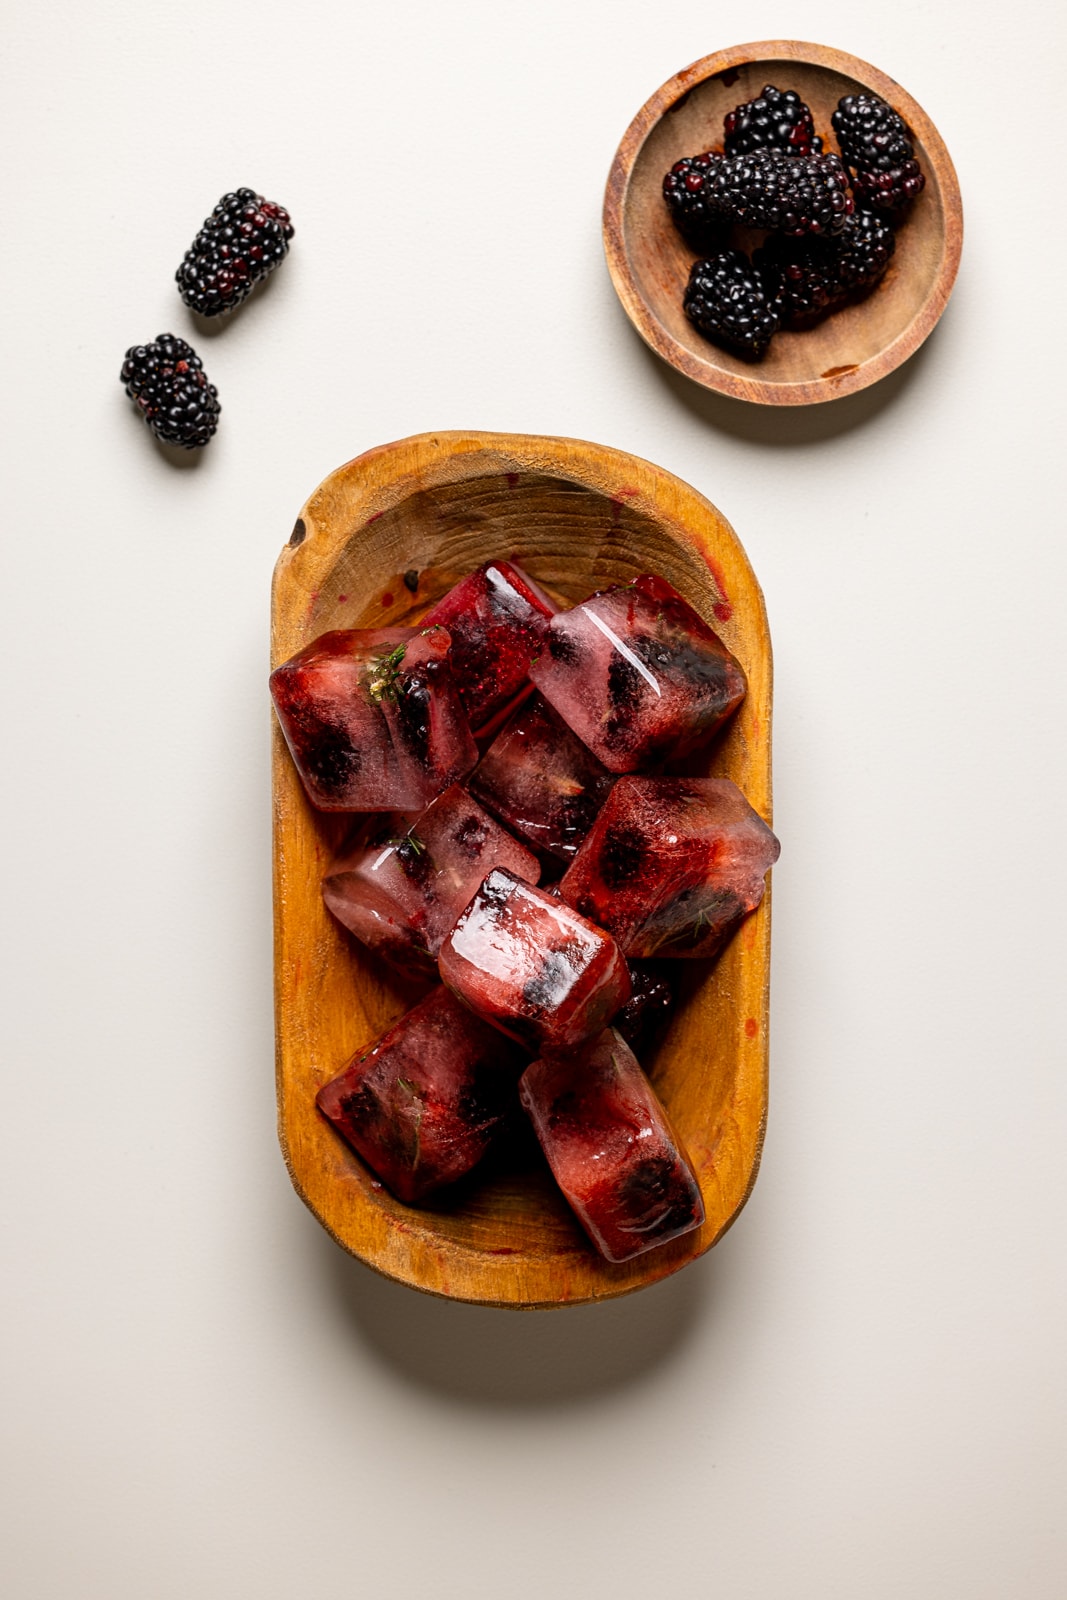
727, 302
878, 151
776, 120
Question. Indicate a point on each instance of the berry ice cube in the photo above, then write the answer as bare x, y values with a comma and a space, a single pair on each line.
497, 618
542, 781
671, 865
611, 1147
421, 1105
638, 675
404, 884
536, 969
373, 719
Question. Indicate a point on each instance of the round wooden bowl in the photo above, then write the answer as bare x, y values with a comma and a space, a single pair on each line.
380, 540
649, 261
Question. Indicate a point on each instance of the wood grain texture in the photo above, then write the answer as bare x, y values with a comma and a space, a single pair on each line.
375, 545
649, 262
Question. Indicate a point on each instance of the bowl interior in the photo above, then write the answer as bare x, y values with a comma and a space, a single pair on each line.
334, 997
840, 353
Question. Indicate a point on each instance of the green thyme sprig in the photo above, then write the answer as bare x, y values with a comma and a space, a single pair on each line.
382, 682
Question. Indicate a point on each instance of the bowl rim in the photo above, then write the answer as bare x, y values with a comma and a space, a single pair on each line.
339, 512
756, 390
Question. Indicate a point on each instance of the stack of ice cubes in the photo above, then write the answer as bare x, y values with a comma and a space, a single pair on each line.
501, 744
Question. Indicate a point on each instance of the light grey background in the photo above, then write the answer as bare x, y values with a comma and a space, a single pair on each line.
859, 1393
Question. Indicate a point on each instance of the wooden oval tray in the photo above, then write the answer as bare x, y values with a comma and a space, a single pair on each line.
375, 545
649, 261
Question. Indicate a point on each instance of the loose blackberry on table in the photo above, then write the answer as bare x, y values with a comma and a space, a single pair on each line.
239, 245
167, 381
727, 302
776, 120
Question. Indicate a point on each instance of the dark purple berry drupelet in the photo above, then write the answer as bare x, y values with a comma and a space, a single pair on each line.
878, 151
686, 189
726, 301
789, 194
242, 241
777, 120
167, 381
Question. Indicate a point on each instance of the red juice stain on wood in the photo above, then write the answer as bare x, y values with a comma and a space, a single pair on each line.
617, 499
751, 1027
341, 599
728, 76
387, 598
374, 518
312, 602
722, 610
513, 479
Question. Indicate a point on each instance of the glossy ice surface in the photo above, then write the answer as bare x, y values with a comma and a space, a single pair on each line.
532, 966
422, 1104
373, 720
638, 675
542, 781
672, 865
611, 1147
497, 618
404, 884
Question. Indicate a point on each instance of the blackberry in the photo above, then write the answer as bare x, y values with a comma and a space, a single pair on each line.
864, 250
877, 149
726, 301
789, 194
623, 854
801, 277
167, 380
870, 133
686, 189
649, 1006
808, 278
242, 241
890, 191
777, 120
